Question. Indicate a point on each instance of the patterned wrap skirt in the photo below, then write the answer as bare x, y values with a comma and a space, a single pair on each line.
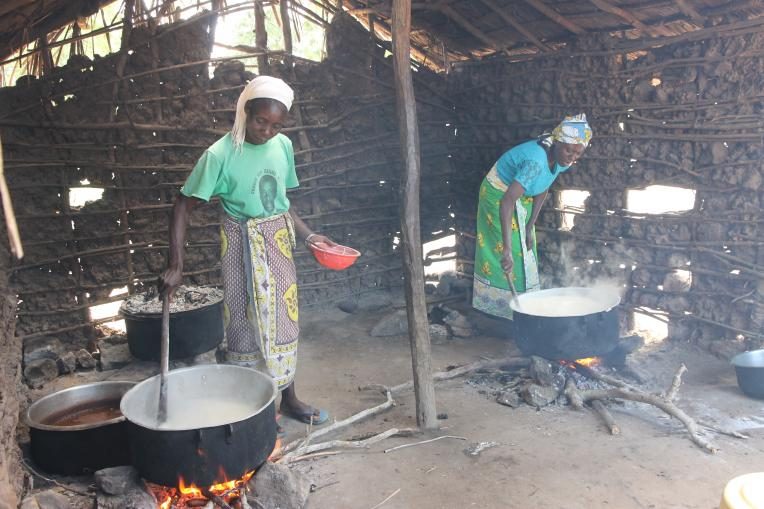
260, 295
490, 290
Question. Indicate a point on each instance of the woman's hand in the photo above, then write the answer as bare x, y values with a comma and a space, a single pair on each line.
169, 280
529, 237
507, 262
317, 238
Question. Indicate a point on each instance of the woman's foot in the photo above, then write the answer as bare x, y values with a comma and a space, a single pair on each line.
292, 407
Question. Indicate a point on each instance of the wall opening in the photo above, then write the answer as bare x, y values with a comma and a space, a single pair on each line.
650, 326
440, 256
81, 196
660, 199
110, 309
573, 200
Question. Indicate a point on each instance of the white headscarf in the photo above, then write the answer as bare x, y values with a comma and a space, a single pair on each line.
265, 87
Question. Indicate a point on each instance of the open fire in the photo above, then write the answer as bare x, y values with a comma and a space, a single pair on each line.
191, 495
187, 496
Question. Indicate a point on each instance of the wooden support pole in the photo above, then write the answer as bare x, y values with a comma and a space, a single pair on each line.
413, 270
558, 18
261, 38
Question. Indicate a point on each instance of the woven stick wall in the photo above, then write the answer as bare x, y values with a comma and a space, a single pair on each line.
685, 115
134, 123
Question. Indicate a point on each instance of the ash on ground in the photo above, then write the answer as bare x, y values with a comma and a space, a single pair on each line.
186, 298
539, 385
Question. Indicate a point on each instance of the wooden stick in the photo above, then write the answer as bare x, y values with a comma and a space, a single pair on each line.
423, 442
216, 499
574, 397
365, 414
336, 444
504, 362
14, 239
606, 417
675, 383
668, 407
723, 431
387, 499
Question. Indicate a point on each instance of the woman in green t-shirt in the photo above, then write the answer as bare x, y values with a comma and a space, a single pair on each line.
249, 170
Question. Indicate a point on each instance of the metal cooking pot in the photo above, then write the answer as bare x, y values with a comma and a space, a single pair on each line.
749, 368
566, 323
191, 332
221, 422
72, 450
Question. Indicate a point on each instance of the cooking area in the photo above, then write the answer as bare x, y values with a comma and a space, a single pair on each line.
381, 254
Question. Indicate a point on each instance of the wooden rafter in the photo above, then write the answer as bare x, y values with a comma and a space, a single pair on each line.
555, 16
516, 25
625, 15
460, 20
689, 11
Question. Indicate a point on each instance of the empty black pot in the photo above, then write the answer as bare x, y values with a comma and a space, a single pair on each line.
749, 368
191, 332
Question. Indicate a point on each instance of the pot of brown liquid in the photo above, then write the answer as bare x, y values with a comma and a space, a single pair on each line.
80, 429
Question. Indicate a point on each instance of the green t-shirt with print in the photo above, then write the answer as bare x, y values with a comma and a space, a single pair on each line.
250, 183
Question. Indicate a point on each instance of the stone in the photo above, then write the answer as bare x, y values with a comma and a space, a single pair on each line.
85, 360
438, 331
369, 301
115, 352
393, 324
117, 480
42, 348
539, 395
135, 498
279, 486
41, 371
541, 371
459, 325
46, 500
67, 363
509, 398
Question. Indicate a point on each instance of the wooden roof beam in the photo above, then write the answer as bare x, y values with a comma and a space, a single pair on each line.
555, 16
463, 22
516, 25
625, 15
689, 11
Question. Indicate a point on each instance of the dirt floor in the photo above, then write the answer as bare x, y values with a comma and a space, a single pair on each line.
549, 458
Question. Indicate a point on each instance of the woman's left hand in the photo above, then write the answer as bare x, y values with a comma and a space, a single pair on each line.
316, 238
529, 237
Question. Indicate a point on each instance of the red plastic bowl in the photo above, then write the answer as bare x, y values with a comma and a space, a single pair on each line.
334, 257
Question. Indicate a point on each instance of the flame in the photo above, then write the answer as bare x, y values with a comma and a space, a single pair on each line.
166, 503
221, 488
589, 361
276, 453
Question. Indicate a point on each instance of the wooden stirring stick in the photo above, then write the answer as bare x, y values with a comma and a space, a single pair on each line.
165, 358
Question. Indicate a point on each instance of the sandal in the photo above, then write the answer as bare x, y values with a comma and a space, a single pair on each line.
309, 418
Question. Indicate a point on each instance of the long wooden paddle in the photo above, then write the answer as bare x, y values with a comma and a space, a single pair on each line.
165, 358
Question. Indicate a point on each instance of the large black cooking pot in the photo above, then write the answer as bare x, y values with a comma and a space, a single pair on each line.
221, 423
191, 332
749, 368
566, 323
72, 449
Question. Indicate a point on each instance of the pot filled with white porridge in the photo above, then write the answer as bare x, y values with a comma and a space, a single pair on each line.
567, 323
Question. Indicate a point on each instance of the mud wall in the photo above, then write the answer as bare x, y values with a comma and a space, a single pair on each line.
133, 124
684, 115
11, 474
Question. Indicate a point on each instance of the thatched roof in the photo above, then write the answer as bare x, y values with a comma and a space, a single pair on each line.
24, 21
454, 30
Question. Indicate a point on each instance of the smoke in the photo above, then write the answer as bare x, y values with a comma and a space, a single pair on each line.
576, 271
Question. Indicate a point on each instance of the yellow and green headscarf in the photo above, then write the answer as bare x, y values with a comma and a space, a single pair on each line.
574, 130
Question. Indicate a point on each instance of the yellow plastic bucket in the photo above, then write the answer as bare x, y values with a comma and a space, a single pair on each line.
744, 492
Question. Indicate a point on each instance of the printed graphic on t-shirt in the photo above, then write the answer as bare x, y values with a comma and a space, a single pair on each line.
267, 187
